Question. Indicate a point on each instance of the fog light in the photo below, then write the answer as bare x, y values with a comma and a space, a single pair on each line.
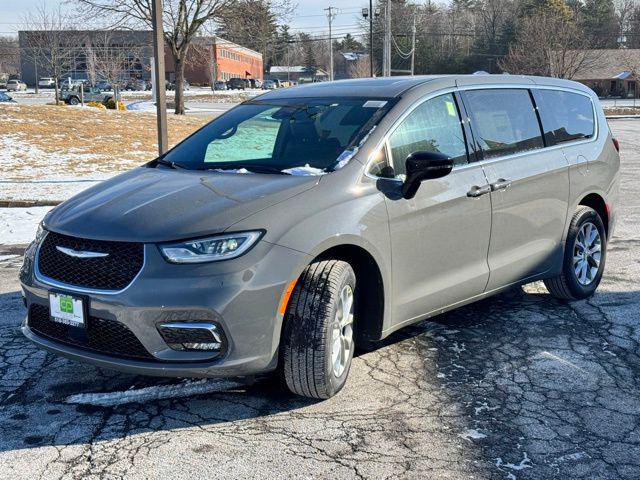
192, 336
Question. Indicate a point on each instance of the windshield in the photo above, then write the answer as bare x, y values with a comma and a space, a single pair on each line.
276, 135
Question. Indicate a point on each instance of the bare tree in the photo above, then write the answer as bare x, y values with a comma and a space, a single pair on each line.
9, 56
50, 40
359, 68
110, 56
548, 45
182, 20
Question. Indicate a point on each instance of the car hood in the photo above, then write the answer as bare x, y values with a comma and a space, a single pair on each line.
159, 204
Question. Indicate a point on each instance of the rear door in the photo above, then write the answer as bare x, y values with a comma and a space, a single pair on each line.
440, 237
529, 183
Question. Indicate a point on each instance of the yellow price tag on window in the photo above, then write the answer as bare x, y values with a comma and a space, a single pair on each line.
451, 108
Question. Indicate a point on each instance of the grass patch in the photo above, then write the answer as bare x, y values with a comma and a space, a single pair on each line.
42, 140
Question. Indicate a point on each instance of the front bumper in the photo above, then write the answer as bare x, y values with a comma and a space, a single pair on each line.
242, 296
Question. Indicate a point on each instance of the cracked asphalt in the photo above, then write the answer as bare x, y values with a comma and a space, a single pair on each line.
516, 386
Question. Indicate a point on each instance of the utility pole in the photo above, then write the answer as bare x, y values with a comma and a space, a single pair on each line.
158, 65
371, 37
413, 46
386, 68
331, 14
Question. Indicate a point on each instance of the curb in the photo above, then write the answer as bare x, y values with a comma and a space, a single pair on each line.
29, 203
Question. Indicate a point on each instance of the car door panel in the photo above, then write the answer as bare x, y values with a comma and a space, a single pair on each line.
440, 237
529, 183
439, 244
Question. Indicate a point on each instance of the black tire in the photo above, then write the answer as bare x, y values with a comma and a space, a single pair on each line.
74, 101
566, 286
306, 347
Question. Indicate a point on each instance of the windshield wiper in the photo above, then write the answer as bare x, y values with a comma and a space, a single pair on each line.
259, 168
169, 163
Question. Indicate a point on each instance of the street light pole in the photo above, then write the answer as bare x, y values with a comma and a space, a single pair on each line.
158, 65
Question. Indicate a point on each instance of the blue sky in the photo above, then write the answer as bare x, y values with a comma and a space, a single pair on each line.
309, 17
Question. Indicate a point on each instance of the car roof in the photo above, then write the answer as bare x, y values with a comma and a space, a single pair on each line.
389, 87
384, 87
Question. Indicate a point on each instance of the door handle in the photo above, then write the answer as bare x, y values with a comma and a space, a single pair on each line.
501, 184
477, 191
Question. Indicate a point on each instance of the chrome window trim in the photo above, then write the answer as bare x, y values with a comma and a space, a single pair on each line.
492, 86
73, 288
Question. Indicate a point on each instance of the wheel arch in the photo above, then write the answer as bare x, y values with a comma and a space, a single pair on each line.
598, 203
370, 289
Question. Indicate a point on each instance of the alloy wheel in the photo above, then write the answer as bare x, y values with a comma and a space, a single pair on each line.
342, 332
587, 252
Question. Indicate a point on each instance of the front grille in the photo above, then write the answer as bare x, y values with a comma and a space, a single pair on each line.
113, 272
101, 335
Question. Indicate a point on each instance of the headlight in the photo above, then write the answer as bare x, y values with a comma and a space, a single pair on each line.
220, 247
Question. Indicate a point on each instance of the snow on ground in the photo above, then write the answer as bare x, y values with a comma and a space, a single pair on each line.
186, 388
18, 226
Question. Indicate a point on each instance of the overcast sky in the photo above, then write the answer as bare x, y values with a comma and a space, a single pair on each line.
309, 17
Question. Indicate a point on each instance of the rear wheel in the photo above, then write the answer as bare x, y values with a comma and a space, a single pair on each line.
584, 257
74, 101
317, 339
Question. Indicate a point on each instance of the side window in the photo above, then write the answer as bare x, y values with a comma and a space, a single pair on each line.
565, 116
504, 121
434, 126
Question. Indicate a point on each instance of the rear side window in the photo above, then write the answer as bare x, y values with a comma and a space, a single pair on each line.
434, 126
565, 116
504, 121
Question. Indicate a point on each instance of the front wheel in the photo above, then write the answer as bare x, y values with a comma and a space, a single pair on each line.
584, 257
74, 101
318, 337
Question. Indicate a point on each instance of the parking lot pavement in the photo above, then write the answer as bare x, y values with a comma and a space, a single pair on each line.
517, 386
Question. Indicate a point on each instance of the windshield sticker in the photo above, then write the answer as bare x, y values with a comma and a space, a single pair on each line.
451, 108
374, 104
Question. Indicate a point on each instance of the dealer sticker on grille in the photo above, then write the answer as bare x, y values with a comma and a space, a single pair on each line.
66, 309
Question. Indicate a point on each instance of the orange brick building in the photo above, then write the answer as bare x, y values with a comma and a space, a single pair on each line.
213, 58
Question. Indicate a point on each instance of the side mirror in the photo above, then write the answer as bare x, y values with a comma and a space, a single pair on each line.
424, 166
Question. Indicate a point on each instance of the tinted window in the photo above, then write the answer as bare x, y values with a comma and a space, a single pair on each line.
504, 121
434, 126
565, 116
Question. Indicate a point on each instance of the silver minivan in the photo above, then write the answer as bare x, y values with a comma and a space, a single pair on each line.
311, 221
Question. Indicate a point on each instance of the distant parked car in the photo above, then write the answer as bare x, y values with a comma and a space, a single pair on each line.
269, 85
46, 82
237, 84
104, 86
3, 84
15, 85
69, 82
4, 98
220, 85
90, 94
135, 84
172, 86
254, 83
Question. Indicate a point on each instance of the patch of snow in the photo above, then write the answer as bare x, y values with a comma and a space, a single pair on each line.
186, 388
230, 170
472, 434
484, 406
18, 226
304, 171
344, 158
141, 106
524, 463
